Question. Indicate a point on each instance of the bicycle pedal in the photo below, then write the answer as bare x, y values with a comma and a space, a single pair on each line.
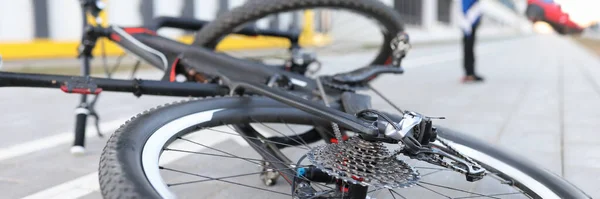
81, 85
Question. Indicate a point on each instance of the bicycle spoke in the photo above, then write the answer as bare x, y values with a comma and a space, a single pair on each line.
280, 133
433, 191
295, 133
432, 168
263, 150
430, 173
385, 99
320, 186
226, 181
394, 192
455, 189
500, 194
266, 152
256, 147
253, 138
219, 178
225, 152
225, 156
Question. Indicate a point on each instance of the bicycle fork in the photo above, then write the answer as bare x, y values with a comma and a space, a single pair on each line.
81, 112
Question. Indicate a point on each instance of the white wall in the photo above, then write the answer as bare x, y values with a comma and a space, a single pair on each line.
64, 20
124, 12
16, 20
235, 3
168, 8
206, 9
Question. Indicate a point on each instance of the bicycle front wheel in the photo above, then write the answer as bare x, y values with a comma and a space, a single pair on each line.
198, 149
326, 28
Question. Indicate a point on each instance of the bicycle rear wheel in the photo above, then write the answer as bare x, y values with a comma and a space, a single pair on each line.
145, 158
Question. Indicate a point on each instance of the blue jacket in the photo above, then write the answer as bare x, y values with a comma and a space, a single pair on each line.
467, 7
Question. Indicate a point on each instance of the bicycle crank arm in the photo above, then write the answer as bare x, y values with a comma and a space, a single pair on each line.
89, 85
346, 120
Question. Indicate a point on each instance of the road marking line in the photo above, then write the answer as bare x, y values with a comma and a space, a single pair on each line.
54, 140
89, 183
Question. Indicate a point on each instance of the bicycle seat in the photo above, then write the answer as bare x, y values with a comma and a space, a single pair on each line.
365, 74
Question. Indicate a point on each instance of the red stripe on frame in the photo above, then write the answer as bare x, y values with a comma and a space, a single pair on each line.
173, 66
139, 31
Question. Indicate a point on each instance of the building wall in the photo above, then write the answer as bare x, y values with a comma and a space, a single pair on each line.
16, 20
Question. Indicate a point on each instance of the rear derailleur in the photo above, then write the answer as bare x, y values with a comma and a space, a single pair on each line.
419, 140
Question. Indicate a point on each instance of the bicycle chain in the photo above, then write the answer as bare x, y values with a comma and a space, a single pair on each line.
362, 162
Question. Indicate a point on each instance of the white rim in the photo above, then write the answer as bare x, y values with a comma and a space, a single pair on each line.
154, 145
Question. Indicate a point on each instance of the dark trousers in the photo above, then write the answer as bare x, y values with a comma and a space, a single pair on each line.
468, 51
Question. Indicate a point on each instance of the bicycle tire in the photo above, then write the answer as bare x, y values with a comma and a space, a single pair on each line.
225, 24
122, 175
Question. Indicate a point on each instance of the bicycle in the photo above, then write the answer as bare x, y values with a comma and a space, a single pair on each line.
355, 159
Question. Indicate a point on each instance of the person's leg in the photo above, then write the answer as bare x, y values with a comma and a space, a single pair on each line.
472, 48
469, 56
469, 59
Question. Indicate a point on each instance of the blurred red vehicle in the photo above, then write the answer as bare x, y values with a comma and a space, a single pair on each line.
551, 13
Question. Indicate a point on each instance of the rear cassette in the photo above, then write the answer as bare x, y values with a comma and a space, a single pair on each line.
362, 162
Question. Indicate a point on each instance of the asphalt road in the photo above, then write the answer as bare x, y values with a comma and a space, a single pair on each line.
541, 99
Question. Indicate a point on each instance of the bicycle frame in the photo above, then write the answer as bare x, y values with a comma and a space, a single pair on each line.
239, 76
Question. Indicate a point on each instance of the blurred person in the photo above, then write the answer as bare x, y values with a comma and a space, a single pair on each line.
471, 19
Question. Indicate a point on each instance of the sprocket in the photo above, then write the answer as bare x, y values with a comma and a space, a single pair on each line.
362, 162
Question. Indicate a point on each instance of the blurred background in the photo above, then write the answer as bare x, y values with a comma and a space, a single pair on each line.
541, 97
36, 28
